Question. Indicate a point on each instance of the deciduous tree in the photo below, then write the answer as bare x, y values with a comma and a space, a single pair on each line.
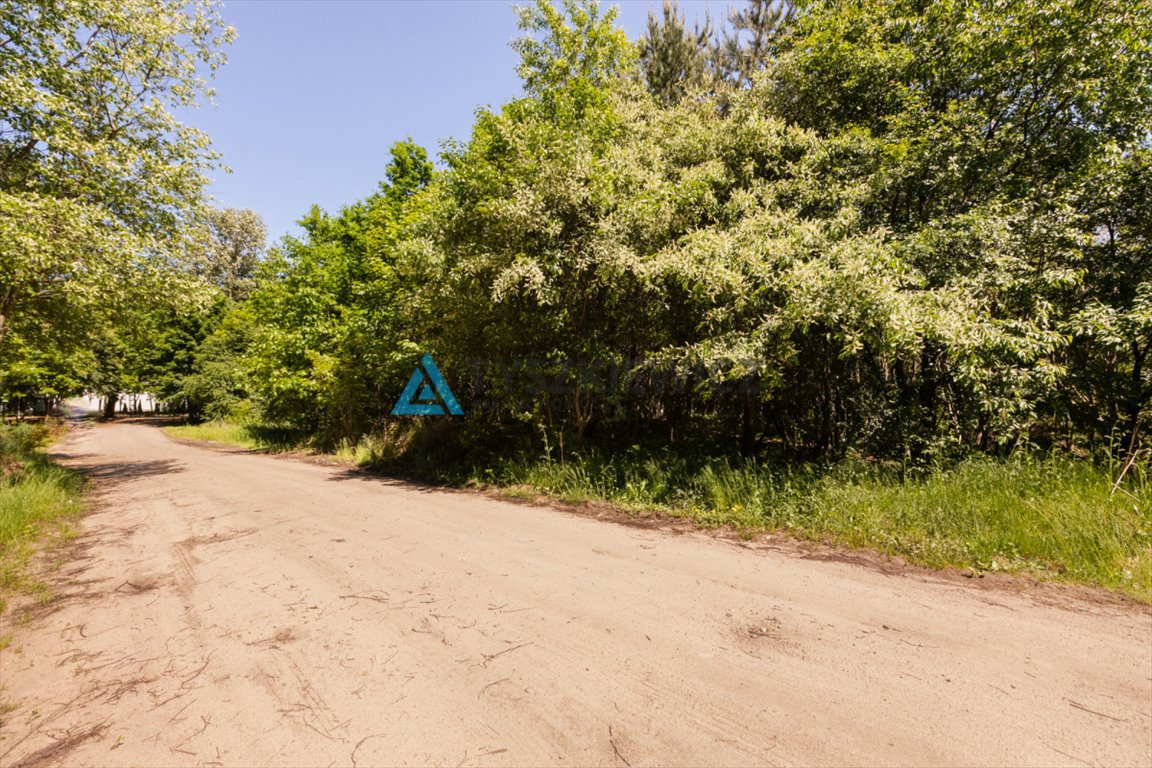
98, 178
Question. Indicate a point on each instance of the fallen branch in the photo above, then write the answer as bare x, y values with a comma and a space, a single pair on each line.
488, 658
496, 682
1080, 706
1127, 466
58, 748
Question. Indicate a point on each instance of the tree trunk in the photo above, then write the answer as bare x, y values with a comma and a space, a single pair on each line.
748, 419
110, 405
7, 302
583, 413
1139, 399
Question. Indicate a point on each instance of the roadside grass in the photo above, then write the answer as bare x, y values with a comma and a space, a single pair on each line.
1052, 517
369, 450
251, 436
217, 432
40, 502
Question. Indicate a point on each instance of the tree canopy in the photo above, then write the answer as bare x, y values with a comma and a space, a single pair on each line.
99, 181
884, 227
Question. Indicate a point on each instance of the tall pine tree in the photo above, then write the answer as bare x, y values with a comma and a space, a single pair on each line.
674, 59
746, 45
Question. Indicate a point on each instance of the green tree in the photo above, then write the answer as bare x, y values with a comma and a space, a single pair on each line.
98, 178
674, 59
746, 44
326, 344
570, 54
913, 231
511, 256
215, 384
971, 130
232, 243
1110, 382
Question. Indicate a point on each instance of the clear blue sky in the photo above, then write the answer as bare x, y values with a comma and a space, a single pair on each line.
314, 93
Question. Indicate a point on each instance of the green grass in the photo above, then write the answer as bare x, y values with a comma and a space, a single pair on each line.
367, 451
39, 504
218, 432
250, 436
1051, 517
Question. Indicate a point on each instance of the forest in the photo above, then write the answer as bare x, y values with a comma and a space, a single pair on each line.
826, 266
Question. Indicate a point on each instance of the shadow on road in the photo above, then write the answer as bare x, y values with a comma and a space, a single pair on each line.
150, 420
105, 475
393, 480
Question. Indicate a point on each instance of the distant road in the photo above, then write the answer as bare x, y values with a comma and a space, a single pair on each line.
237, 609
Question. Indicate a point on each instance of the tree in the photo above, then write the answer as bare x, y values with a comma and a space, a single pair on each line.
1110, 381
325, 342
913, 231
747, 43
514, 259
673, 59
570, 55
216, 384
233, 243
971, 130
98, 179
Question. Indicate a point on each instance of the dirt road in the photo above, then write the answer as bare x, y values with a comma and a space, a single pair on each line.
234, 609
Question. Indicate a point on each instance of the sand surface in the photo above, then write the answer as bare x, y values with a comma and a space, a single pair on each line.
225, 608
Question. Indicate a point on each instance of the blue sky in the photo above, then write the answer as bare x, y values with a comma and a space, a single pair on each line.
314, 93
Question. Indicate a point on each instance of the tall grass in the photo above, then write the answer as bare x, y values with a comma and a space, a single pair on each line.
1051, 516
368, 450
38, 500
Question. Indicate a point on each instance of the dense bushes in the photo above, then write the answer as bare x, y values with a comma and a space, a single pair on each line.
876, 243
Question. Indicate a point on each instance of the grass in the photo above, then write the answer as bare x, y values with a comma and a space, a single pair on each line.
39, 503
369, 450
218, 432
250, 436
1050, 516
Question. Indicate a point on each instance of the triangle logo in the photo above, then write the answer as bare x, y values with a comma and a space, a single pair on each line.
427, 394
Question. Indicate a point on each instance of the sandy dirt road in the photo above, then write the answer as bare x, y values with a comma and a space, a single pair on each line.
235, 609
